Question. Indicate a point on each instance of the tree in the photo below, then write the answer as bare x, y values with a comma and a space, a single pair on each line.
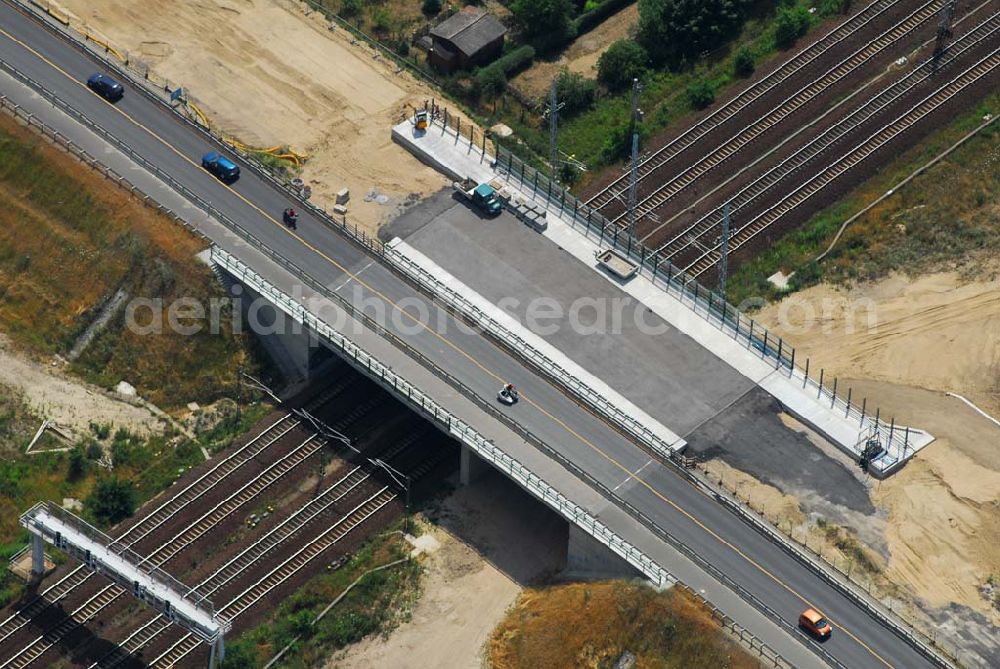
700, 94
743, 65
77, 463
490, 81
111, 501
677, 30
240, 655
575, 92
546, 23
351, 7
431, 7
624, 61
792, 23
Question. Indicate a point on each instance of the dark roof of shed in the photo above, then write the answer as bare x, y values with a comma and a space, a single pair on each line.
469, 30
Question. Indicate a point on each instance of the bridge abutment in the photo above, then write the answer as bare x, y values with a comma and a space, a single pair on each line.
470, 466
588, 559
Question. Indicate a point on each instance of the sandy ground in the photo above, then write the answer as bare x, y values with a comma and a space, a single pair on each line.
933, 332
487, 552
581, 56
268, 74
69, 402
929, 335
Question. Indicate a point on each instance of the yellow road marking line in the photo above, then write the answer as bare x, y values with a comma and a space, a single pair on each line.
463, 353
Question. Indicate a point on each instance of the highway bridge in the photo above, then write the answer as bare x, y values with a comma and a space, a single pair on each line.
567, 455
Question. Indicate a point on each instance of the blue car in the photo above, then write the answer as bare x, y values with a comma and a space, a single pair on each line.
106, 87
223, 168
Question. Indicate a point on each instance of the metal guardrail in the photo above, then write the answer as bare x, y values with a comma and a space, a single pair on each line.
373, 245
525, 349
159, 578
505, 463
458, 428
703, 302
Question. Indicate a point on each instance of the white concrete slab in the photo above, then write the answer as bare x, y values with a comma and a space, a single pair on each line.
508, 325
116, 563
454, 155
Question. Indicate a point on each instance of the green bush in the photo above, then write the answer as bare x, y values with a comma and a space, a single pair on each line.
575, 92
77, 464
792, 23
490, 82
94, 450
431, 7
743, 65
546, 23
351, 7
111, 501
623, 61
240, 655
674, 31
700, 94
596, 12
515, 61
834, 7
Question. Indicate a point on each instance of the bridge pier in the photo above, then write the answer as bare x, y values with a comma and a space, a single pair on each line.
588, 559
37, 556
470, 466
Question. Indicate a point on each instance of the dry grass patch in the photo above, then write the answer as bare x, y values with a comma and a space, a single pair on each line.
593, 624
68, 241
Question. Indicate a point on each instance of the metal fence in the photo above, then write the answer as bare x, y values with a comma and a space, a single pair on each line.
160, 578
458, 428
709, 305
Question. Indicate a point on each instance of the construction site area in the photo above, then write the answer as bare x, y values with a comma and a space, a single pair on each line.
837, 430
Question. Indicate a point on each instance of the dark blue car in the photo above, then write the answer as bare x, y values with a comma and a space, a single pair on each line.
223, 168
106, 87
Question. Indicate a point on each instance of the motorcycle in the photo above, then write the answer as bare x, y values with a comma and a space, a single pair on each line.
508, 395
290, 217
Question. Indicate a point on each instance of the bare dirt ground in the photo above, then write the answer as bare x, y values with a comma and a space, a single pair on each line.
581, 56
268, 74
928, 336
493, 540
69, 402
934, 332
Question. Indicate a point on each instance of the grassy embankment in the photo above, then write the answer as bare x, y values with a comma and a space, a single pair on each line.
593, 624
69, 240
596, 136
376, 604
947, 218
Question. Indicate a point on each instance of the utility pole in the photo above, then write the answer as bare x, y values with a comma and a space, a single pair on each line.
724, 252
553, 113
633, 180
945, 17
400, 479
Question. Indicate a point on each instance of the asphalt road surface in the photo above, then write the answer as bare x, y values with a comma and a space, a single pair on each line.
719, 536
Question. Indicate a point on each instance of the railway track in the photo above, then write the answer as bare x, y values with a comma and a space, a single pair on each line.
282, 572
703, 233
984, 67
169, 509
256, 552
754, 92
798, 100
